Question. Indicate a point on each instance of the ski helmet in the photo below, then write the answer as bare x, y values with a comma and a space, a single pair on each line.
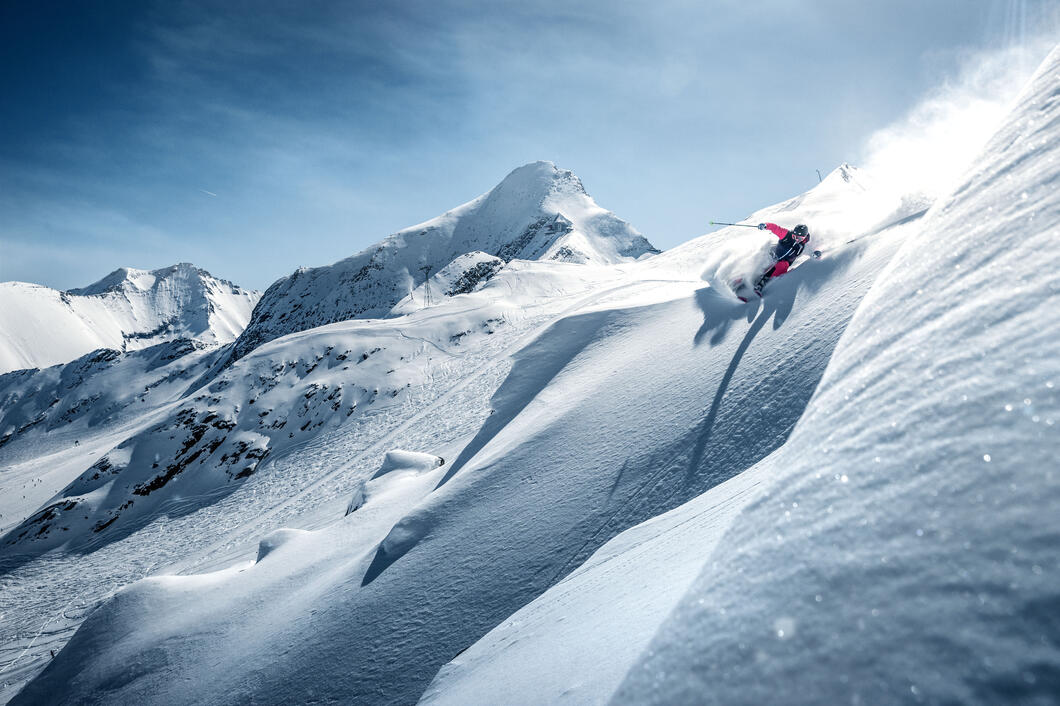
801, 233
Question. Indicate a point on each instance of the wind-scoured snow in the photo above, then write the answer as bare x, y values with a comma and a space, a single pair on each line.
901, 547
128, 309
538, 212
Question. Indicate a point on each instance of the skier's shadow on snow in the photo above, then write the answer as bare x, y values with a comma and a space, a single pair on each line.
719, 313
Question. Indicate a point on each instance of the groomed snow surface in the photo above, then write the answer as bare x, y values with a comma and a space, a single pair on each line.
612, 482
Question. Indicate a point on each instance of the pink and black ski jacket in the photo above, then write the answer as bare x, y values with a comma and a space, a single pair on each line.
790, 246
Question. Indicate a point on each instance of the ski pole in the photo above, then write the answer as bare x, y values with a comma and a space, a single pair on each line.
738, 225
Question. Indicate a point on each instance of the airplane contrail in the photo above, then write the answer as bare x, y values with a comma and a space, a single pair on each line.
208, 193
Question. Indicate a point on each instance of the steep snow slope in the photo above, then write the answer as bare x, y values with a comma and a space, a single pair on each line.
538, 212
902, 546
126, 310
648, 388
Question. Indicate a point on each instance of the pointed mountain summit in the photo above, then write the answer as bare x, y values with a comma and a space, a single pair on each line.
538, 212
128, 309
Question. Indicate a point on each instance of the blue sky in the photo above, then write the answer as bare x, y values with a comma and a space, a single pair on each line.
254, 137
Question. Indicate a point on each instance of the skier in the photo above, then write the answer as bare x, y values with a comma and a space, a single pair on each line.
792, 243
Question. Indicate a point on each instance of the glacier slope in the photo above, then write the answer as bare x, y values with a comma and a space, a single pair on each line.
902, 546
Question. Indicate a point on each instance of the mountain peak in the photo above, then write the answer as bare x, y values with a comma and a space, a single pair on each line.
125, 310
525, 189
111, 282
131, 277
845, 173
537, 212
540, 177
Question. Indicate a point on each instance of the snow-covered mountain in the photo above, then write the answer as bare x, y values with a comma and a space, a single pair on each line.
901, 547
568, 357
170, 482
318, 409
218, 427
57, 421
126, 310
584, 483
538, 212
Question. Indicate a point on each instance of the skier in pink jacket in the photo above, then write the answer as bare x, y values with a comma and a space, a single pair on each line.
792, 243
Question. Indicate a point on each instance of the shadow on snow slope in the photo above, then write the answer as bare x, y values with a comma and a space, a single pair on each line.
538, 365
607, 419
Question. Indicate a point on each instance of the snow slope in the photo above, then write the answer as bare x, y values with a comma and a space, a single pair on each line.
460, 355
57, 418
126, 310
538, 212
901, 547
636, 388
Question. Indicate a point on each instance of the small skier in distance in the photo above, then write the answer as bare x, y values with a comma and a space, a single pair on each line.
792, 243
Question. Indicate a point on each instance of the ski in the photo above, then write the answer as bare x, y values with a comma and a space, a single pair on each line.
743, 290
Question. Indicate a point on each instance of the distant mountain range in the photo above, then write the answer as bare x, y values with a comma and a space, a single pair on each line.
127, 310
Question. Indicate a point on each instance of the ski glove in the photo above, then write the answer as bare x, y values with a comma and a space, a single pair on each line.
761, 226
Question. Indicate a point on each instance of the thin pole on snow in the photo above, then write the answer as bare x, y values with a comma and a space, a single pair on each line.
738, 225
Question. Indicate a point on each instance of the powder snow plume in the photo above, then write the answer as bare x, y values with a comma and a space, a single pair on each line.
921, 156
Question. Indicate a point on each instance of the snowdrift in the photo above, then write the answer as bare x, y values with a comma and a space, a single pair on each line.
902, 546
